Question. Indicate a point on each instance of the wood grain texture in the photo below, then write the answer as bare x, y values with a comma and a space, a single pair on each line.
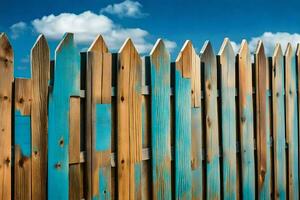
291, 122
246, 125
197, 131
278, 82
6, 79
40, 66
183, 175
22, 167
66, 84
100, 69
226, 66
208, 60
263, 152
129, 137
160, 121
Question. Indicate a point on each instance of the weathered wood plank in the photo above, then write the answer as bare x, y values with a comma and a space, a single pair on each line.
183, 175
246, 126
6, 79
263, 151
22, 167
278, 123
208, 60
75, 182
226, 66
160, 121
129, 120
291, 122
66, 83
197, 132
100, 69
40, 66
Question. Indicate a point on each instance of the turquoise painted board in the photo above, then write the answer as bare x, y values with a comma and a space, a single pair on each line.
103, 144
278, 125
291, 122
183, 175
226, 66
246, 122
23, 133
66, 83
208, 60
160, 121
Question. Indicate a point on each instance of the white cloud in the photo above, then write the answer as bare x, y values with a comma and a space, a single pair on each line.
271, 39
127, 8
170, 45
88, 25
17, 29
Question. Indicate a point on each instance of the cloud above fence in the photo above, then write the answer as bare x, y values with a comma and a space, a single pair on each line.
17, 29
270, 39
126, 8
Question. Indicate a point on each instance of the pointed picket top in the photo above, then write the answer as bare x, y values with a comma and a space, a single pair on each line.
288, 50
207, 50
226, 47
158, 48
41, 41
277, 52
244, 50
6, 50
67, 38
98, 45
185, 57
260, 50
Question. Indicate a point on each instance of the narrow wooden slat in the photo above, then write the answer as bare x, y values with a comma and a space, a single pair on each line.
228, 119
183, 175
263, 152
75, 182
40, 66
278, 123
208, 60
6, 79
129, 120
298, 89
100, 67
197, 133
66, 83
22, 167
74, 148
246, 126
291, 122
160, 120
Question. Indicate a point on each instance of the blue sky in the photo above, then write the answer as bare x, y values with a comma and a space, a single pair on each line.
145, 21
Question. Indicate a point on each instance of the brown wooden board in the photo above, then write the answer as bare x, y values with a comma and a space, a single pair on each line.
6, 79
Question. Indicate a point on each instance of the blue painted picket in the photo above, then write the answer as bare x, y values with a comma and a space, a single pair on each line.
183, 175
228, 119
160, 119
66, 83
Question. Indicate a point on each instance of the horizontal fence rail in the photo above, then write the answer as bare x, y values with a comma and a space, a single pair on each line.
103, 125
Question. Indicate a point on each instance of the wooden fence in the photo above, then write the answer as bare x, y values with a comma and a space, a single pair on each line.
102, 125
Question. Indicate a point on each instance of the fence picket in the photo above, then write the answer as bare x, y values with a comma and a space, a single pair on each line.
99, 69
262, 135
40, 66
291, 122
160, 120
66, 84
129, 119
246, 126
278, 125
197, 132
228, 119
183, 176
208, 60
6, 80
